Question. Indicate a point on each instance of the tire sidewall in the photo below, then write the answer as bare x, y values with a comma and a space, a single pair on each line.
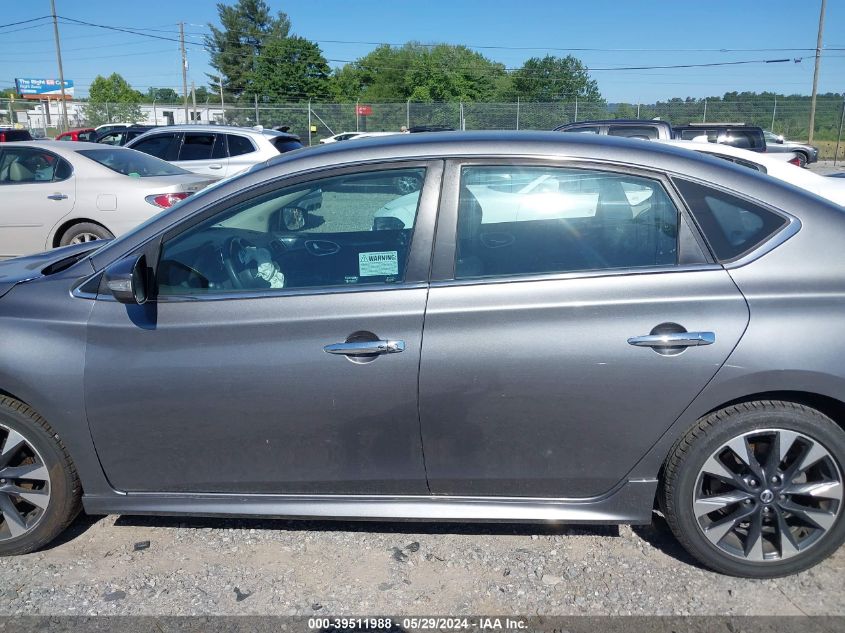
61, 485
817, 427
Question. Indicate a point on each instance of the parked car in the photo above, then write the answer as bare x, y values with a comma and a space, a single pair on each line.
108, 127
55, 194
740, 135
343, 136
671, 348
216, 150
644, 129
82, 134
121, 136
11, 134
775, 143
775, 165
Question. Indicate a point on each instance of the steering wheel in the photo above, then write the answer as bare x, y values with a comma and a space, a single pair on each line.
234, 257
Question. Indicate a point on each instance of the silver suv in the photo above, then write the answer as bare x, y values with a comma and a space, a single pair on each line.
214, 149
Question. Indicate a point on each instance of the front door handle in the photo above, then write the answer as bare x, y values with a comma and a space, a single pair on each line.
673, 339
57, 196
365, 348
215, 166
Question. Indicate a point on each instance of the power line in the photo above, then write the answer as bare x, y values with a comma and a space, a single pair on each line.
43, 17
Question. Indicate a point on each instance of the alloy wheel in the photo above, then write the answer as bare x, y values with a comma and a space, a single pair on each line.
24, 485
82, 238
768, 495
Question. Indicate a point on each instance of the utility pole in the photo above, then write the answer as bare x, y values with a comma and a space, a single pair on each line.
59, 58
184, 67
194, 101
816, 71
222, 105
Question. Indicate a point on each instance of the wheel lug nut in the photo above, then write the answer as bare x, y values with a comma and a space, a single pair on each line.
753, 482
748, 502
775, 479
781, 497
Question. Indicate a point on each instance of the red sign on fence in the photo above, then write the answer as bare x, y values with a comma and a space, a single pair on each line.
364, 110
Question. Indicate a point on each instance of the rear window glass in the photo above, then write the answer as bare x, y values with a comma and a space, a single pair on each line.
15, 135
286, 144
731, 225
645, 132
239, 145
131, 163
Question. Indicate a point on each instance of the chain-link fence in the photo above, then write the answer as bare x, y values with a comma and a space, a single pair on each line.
313, 121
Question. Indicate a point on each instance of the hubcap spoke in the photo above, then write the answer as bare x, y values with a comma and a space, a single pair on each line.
14, 521
788, 545
812, 516
821, 489
38, 498
706, 505
30, 472
717, 531
754, 541
742, 449
14, 442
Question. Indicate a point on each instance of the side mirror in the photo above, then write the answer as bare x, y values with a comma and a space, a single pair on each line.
127, 280
780, 139
294, 218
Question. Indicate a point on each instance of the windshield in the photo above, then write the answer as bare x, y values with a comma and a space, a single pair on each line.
132, 163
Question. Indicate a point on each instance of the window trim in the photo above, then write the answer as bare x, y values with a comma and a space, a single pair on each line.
418, 265
691, 251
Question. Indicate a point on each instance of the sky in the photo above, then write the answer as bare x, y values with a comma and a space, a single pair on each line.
637, 32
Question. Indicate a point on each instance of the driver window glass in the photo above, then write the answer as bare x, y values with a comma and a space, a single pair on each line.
341, 231
534, 220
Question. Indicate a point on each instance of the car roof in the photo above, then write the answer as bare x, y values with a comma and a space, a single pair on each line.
523, 143
63, 148
617, 121
229, 129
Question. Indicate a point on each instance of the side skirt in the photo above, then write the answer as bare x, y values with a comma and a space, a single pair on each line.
630, 503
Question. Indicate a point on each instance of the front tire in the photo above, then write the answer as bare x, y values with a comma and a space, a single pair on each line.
756, 489
85, 232
39, 488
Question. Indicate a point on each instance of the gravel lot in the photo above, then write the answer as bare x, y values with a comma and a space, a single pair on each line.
102, 566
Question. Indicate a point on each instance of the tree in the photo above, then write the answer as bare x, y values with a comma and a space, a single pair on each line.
292, 69
112, 99
553, 78
163, 95
443, 72
247, 27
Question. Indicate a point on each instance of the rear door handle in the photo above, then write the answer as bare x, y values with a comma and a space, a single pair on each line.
673, 339
365, 348
215, 166
57, 196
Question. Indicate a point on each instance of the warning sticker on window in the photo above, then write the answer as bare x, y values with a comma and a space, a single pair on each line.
378, 264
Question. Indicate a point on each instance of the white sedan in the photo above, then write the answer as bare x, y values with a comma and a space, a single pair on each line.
55, 194
774, 165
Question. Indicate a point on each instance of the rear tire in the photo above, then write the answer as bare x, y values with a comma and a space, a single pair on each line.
741, 513
35, 471
84, 232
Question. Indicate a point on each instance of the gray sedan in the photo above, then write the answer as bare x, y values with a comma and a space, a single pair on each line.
645, 328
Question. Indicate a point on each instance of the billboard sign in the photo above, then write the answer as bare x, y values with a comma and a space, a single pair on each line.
43, 88
364, 110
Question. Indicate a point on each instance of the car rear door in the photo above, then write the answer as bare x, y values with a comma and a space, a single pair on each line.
301, 378
544, 371
38, 188
203, 153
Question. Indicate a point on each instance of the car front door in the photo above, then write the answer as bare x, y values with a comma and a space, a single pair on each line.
203, 153
38, 188
281, 354
543, 371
